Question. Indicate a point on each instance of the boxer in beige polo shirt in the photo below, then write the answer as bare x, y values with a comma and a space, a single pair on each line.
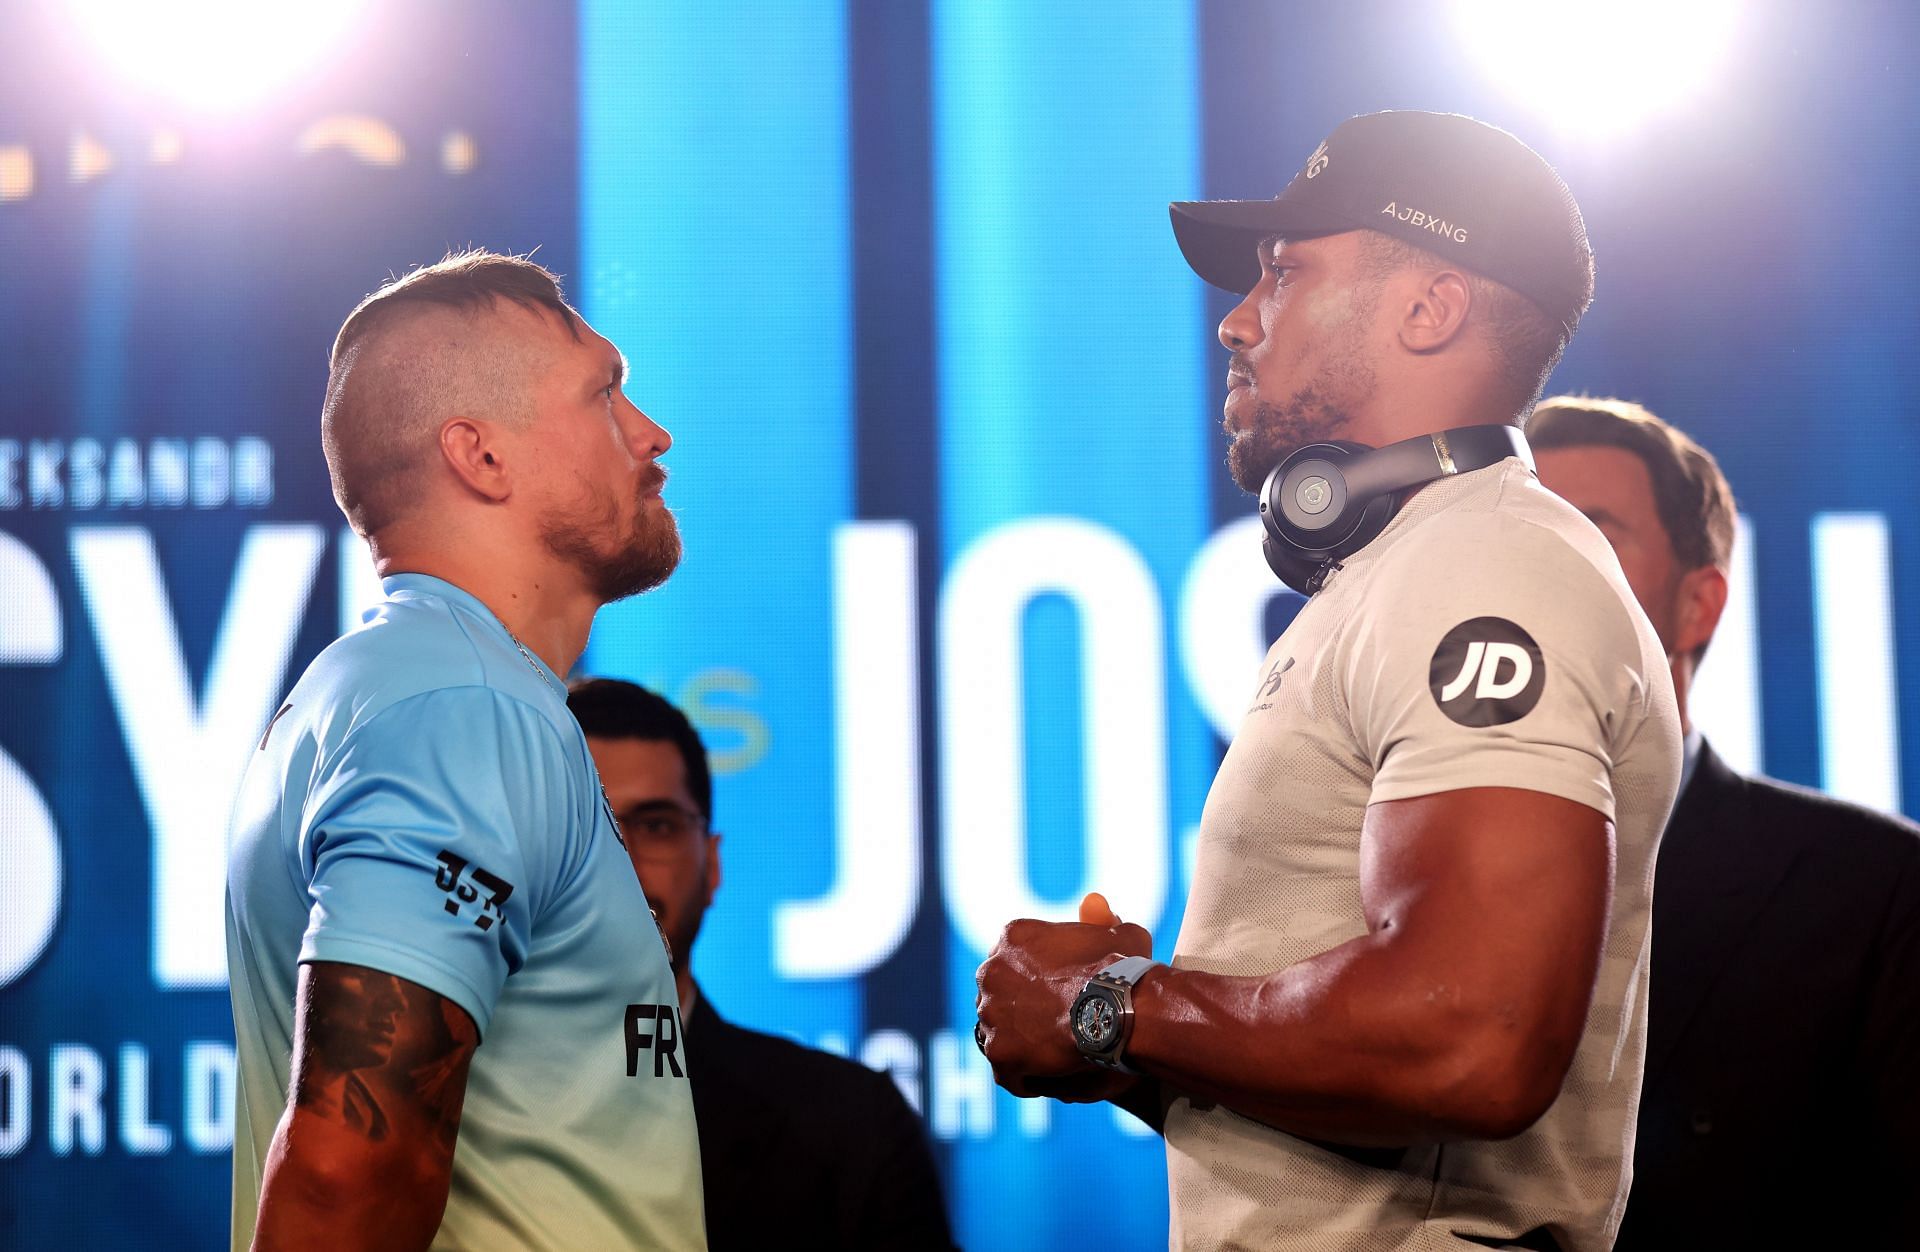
1407, 1004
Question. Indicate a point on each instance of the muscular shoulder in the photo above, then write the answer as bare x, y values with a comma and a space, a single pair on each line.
424, 683
1533, 565
408, 648
1520, 539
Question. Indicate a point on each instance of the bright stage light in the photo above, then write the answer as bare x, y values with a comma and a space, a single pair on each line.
1600, 68
215, 54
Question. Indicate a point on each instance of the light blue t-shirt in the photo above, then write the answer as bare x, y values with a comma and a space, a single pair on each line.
424, 804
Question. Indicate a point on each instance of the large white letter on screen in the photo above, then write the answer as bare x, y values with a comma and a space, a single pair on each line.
1725, 700
982, 725
359, 580
30, 871
1853, 625
1223, 622
876, 686
188, 755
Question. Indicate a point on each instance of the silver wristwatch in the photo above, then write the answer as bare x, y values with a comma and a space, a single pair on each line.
1102, 1014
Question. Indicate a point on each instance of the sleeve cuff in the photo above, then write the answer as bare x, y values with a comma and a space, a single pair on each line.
440, 979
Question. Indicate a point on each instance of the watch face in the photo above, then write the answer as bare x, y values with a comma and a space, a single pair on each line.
1095, 1021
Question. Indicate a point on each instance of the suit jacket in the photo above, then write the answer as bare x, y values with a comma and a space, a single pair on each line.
1781, 1105
803, 1149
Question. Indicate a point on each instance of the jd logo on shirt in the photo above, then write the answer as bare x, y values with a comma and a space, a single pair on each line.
1487, 672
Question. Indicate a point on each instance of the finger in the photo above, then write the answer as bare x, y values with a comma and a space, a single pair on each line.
1134, 939
1080, 1088
1014, 1083
1095, 911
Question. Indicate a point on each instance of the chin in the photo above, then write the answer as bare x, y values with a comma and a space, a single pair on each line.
1249, 466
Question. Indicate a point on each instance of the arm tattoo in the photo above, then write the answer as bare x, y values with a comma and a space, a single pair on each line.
380, 1055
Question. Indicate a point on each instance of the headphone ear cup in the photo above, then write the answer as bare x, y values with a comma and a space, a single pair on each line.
1373, 519
1287, 563
1304, 498
1328, 524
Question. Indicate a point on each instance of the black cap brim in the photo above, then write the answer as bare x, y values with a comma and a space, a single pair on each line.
1221, 238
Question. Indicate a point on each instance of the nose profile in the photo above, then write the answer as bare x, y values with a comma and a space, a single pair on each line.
650, 438
1240, 329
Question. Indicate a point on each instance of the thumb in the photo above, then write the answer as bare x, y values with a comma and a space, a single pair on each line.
1095, 911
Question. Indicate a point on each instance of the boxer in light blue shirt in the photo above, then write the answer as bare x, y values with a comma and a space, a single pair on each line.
450, 1031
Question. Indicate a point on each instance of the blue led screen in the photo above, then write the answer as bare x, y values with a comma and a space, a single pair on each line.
968, 601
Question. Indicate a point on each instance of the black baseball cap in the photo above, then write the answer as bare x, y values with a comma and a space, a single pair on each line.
1457, 187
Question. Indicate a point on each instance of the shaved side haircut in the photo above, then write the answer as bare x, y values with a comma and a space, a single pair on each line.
1528, 342
450, 339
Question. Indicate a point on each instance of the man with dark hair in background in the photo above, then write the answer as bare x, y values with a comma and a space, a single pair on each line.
1783, 1050
798, 1148
429, 914
1407, 1004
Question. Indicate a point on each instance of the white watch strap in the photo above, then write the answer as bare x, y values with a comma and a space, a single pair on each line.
1128, 970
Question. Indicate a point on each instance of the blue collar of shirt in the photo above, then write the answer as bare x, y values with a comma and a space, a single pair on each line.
396, 585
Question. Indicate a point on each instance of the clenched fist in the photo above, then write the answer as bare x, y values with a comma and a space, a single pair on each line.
1027, 986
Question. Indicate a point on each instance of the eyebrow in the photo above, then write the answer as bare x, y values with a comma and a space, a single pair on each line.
644, 807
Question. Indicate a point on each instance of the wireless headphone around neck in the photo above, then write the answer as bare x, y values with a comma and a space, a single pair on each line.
1327, 501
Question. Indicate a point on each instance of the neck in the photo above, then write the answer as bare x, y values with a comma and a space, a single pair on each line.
683, 985
1414, 403
540, 601
1378, 432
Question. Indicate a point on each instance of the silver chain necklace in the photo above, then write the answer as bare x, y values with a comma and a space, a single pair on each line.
531, 663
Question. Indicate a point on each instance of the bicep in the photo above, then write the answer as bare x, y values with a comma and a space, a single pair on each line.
380, 1064
1504, 892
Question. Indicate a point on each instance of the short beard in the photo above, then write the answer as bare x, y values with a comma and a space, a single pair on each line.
1276, 430
650, 553
1320, 410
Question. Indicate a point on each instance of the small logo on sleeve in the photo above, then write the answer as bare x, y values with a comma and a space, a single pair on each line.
1487, 672
463, 882
1270, 686
654, 1028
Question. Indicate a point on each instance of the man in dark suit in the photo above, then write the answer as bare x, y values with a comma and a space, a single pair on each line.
1781, 1104
798, 1148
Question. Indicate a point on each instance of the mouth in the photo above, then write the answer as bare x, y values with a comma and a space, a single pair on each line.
1236, 388
653, 484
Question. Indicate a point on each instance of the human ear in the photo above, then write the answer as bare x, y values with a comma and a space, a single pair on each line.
1702, 599
476, 456
1434, 316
